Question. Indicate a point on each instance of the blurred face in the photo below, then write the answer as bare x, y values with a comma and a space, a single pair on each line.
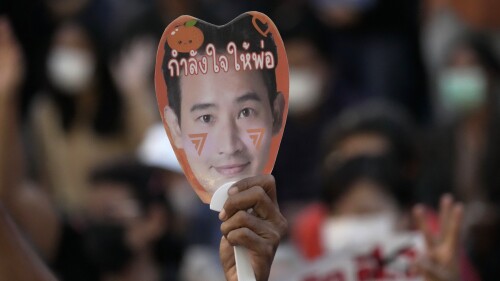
71, 61
308, 76
117, 230
364, 198
463, 56
226, 125
362, 144
364, 216
462, 84
112, 202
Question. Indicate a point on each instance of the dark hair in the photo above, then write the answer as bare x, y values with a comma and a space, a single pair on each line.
377, 117
146, 186
339, 180
236, 31
108, 118
142, 181
482, 48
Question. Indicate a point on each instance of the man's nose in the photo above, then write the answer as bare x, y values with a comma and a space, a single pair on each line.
229, 140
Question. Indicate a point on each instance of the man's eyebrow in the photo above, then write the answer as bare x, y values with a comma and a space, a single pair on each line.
248, 96
202, 106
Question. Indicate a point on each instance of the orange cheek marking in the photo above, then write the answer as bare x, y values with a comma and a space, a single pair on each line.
256, 135
199, 141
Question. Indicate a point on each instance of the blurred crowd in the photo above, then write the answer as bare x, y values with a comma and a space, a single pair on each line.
393, 104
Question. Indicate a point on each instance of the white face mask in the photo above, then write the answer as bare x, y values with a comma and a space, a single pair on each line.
356, 233
305, 90
70, 70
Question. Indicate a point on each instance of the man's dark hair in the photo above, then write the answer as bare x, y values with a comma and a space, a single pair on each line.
236, 31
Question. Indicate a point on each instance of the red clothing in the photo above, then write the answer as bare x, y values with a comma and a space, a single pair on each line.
306, 236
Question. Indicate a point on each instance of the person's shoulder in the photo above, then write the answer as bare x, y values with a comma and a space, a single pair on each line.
306, 230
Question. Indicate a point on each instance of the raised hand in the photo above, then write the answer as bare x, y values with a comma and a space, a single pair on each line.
260, 230
133, 67
441, 261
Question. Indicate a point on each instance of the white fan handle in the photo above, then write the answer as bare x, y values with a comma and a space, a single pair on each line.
244, 268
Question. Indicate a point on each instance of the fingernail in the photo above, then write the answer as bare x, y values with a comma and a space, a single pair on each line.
222, 215
233, 190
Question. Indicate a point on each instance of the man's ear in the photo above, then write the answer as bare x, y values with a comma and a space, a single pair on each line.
173, 125
278, 108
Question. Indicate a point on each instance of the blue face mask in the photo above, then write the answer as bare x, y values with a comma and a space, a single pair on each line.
462, 90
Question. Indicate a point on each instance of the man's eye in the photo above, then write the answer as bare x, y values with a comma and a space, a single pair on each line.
246, 112
206, 118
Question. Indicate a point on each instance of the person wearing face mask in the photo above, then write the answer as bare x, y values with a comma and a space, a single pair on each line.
364, 193
466, 82
462, 151
130, 234
369, 176
70, 70
83, 117
368, 209
360, 193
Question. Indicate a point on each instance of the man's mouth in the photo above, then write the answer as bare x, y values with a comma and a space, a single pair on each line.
231, 170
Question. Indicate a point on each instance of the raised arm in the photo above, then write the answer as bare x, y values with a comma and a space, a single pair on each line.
18, 262
11, 71
131, 72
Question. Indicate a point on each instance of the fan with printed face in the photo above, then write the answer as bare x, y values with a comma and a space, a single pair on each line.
222, 93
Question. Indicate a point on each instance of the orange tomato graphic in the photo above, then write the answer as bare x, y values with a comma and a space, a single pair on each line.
185, 38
